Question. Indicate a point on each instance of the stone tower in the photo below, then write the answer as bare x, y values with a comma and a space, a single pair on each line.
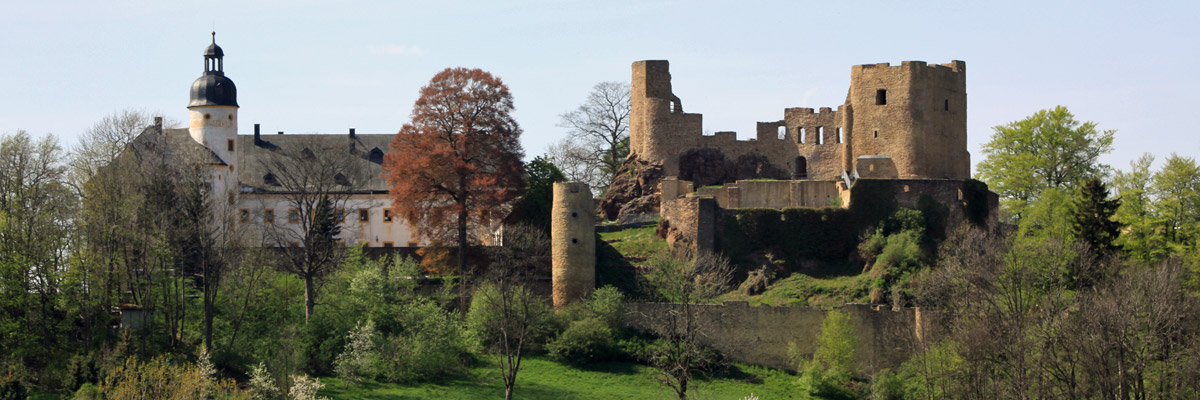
572, 243
212, 111
914, 113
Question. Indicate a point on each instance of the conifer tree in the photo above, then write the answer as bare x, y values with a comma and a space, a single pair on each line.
1092, 217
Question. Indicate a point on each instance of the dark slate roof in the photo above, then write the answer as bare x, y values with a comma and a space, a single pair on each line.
213, 89
252, 156
172, 145
213, 50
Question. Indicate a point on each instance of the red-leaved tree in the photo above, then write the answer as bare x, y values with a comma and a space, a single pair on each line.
458, 163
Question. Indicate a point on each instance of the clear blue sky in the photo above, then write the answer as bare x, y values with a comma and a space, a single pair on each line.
316, 66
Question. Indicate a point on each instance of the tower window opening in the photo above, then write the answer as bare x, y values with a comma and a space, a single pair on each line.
881, 97
782, 132
207, 116
946, 104
839, 135
229, 144
820, 135
800, 134
877, 134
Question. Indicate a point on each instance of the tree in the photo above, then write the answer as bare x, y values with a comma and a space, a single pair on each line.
534, 207
1092, 217
1177, 190
505, 314
1142, 238
1049, 149
107, 138
684, 281
598, 135
458, 163
315, 180
35, 232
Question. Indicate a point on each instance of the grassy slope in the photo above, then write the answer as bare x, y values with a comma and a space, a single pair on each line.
541, 378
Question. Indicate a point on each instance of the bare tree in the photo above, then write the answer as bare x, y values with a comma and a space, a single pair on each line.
505, 311
685, 281
315, 180
598, 136
107, 139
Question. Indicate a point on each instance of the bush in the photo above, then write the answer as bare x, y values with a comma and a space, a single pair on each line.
160, 378
305, 388
431, 344
356, 361
584, 341
486, 323
261, 385
11, 387
832, 370
88, 391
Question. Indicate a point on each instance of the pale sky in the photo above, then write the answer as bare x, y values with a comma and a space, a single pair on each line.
318, 66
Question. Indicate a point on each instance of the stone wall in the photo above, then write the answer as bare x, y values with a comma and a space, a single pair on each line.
761, 334
914, 113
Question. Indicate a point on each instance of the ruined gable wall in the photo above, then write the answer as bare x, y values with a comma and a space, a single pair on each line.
816, 138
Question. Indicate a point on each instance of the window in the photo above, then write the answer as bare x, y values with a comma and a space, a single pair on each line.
387, 215
946, 104
800, 134
269, 216
877, 134
376, 155
229, 144
839, 132
293, 216
341, 179
820, 135
782, 132
244, 216
412, 244
269, 179
207, 116
341, 215
881, 97
388, 245
364, 215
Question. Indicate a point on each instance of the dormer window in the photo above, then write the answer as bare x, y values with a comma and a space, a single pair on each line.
306, 153
376, 156
269, 179
341, 179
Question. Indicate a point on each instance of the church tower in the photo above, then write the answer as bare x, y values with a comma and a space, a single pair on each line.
213, 108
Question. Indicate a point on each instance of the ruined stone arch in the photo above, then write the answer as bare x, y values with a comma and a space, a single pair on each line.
800, 168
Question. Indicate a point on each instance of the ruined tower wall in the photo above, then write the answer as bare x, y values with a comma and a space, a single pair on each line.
816, 138
913, 113
572, 243
659, 130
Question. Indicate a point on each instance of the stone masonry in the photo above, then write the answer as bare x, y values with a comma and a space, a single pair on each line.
907, 122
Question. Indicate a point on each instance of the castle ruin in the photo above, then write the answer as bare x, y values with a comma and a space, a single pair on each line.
900, 122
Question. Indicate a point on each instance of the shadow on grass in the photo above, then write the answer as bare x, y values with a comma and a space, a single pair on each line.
612, 268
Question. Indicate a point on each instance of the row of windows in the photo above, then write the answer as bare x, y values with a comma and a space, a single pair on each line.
293, 216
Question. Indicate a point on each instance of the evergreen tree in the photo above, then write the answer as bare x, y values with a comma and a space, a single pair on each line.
1092, 216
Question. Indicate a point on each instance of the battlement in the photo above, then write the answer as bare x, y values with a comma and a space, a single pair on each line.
955, 66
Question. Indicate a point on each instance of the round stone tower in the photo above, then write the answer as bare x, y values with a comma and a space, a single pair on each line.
572, 243
212, 112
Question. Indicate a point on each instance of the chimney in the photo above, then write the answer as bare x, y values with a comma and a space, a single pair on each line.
351, 140
351, 133
280, 132
158, 124
257, 135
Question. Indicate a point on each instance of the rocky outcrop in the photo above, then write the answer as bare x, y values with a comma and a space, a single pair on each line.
633, 192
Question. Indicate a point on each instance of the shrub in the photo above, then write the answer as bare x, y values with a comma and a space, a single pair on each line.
88, 391
261, 385
431, 344
305, 388
887, 386
160, 378
486, 323
12, 387
832, 370
355, 362
584, 341
975, 195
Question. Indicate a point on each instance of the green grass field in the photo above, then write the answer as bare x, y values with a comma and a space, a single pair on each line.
541, 378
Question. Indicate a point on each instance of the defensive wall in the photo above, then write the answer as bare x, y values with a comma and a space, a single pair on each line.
912, 115
697, 218
762, 334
